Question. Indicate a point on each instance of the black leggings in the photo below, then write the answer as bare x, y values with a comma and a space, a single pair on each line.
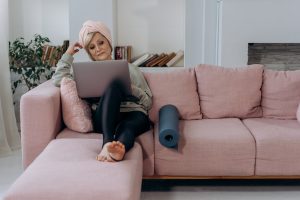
116, 125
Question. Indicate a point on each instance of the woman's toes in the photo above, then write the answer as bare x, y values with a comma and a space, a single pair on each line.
104, 153
116, 151
109, 159
99, 158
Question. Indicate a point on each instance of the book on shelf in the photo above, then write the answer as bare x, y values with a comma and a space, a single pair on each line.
123, 53
166, 59
155, 61
176, 58
152, 57
65, 46
52, 54
142, 59
45, 51
160, 59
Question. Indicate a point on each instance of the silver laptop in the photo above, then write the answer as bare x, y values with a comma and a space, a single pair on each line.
93, 78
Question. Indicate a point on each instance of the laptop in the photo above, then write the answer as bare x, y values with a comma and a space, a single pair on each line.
93, 78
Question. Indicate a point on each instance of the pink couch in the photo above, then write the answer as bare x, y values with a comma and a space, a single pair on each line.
235, 122
67, 170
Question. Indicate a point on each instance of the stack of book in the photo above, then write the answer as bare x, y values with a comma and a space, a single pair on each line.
159, 60
123, 53
52, 54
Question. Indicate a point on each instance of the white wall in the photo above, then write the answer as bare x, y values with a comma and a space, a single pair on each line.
154, 26
194, 36
55, 21
246, 21
200, 32
49, 18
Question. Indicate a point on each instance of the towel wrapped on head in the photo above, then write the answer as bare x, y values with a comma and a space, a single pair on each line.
91, 27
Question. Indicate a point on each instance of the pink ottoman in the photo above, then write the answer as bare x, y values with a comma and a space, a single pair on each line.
68, 170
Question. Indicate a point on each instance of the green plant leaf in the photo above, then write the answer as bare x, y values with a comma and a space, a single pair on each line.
28, 72
16, 84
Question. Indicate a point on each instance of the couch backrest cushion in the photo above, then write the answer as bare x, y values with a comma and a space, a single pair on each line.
177, 87
76, 112
230, 92
280, 94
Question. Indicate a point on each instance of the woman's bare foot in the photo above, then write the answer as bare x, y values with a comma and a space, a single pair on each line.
104, 155
116, 150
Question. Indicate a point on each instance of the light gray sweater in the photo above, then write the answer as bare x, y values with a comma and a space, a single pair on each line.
140, 88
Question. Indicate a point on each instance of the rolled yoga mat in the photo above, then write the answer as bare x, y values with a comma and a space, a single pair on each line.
169, 126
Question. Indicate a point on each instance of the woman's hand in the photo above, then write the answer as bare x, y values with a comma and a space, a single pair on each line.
73, 48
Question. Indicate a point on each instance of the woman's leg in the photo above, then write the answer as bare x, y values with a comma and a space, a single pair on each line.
132, 125
108, 113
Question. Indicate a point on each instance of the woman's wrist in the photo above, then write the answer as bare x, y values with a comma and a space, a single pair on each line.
67, 58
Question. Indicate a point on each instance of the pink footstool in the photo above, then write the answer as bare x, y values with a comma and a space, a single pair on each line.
68, 170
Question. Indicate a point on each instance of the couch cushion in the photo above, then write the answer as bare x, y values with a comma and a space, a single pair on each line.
230, 92
177, 87
280, 94
277, 144
68, 170
145, 140
208, 147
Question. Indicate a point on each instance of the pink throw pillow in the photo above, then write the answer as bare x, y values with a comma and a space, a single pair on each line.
280, 94
177, 87
230, 92
76, 112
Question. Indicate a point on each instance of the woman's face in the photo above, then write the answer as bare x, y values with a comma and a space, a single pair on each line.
99, 48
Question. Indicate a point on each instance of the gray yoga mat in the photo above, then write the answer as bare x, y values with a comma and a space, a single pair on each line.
169, 126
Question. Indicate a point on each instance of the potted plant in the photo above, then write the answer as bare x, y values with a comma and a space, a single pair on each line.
25, 61
28, 66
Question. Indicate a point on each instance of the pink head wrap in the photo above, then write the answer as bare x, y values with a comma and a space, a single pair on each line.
94, 26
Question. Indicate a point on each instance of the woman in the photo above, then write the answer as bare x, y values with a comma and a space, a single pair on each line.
120, 118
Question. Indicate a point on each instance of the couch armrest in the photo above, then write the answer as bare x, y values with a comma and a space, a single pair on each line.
41, 120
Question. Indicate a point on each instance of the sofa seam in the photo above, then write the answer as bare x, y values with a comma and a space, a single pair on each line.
255, 158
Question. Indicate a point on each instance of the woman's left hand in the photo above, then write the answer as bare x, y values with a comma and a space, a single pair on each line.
73, 48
